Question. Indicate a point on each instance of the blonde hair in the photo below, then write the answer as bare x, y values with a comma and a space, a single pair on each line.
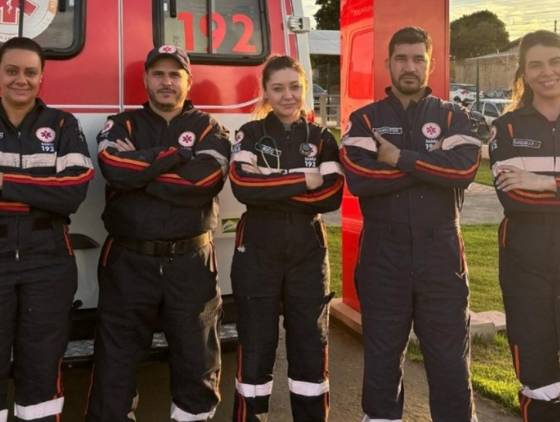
522, 94
273, 64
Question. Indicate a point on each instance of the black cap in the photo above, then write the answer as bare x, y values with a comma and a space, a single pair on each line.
170, 51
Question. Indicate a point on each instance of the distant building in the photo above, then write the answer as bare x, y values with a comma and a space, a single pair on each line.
496, 70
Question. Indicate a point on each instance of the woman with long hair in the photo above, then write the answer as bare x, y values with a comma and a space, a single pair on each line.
286, 170
524, 155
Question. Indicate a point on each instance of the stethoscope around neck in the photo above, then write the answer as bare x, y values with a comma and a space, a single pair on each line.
265, 138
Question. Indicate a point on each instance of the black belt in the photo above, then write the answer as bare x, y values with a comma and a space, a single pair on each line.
36, 224
164, 247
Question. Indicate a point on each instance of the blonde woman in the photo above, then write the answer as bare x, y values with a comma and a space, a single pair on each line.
286, 171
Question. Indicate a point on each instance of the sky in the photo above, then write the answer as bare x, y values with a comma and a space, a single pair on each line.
520, 16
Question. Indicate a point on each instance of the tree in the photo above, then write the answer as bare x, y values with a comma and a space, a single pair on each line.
477, 34
328, 67
328, 14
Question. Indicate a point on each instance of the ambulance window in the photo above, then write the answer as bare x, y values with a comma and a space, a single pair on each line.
238, 29
361, 65
57, 25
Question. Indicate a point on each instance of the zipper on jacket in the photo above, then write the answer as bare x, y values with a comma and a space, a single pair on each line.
17, 217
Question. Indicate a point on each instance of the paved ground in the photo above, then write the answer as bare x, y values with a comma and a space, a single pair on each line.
346, 355
481, 205
345, 371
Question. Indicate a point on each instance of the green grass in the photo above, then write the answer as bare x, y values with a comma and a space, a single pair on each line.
335, 249
492, 371
484, 175
481, 247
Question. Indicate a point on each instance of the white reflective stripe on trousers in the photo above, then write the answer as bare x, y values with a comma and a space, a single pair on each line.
180, 415
133, 407
368, 419
308, 389
39, 410
546, 393
4, 415
251, 391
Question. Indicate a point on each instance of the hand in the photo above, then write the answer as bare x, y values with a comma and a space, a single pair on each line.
386, 152
1, 180
511, 177
125, 145
249, 168
313, 180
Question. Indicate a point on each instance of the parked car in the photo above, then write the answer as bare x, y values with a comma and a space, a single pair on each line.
463, 93
498, 93
490, 108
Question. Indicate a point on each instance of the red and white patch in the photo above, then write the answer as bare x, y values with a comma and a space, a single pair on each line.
108, 125
186, 139
38, 17
431, 130
239, 135
45, 134
167, 49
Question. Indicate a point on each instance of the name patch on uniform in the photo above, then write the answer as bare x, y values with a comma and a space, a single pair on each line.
268, 150
386, 130
527, 143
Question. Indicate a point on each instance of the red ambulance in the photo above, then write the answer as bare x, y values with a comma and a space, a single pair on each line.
95, 54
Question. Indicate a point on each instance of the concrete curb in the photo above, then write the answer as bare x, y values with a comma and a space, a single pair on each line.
483, 324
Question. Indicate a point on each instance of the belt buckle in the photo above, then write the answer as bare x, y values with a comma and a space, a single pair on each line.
172, 245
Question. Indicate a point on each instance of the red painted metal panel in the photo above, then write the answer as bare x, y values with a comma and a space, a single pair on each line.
212, 84
93, 73
364, 78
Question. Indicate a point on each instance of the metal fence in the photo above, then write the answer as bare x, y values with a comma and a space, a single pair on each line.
327, 109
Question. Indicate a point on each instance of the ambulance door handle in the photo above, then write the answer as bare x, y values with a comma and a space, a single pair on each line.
173, 8
81, 241
62, 5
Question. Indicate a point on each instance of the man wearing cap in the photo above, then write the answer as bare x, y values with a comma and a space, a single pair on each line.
164, 165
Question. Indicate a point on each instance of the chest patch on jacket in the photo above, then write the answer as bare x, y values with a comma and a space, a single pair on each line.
309, 151
186, 139
46, 135
431, 130
526, 143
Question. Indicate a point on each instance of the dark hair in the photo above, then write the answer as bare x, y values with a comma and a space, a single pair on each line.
522, 94
273, 64
410, 35
23, 43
